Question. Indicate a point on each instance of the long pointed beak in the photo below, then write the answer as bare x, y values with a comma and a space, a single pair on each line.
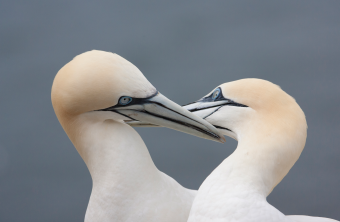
160, 111
204, 109
199, 108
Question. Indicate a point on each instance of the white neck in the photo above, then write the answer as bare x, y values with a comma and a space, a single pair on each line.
127, 186
119, 163
238, 187
114, 151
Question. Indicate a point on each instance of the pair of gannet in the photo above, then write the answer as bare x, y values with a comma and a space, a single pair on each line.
98, 94
93, 96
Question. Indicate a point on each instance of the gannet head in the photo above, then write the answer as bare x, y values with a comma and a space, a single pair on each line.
108, 87
238, 108
267, 122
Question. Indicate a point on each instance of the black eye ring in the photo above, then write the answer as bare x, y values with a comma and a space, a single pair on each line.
216, 93
125, 100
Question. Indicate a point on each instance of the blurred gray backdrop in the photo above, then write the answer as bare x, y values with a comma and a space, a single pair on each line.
185, 49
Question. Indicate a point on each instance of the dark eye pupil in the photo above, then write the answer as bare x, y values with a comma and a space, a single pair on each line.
125, 100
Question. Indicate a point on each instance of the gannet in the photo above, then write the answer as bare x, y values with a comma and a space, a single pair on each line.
93, 96
271, 131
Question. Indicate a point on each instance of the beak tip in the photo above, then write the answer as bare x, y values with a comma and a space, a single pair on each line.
222, 139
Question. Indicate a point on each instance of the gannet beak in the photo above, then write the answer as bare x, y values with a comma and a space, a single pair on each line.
209, 105
160, 111
204, 109
199, 108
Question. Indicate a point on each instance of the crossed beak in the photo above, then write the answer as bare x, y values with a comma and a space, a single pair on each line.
158, 110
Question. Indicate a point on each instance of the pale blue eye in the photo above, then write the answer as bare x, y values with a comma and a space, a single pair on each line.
125, 100
216, 93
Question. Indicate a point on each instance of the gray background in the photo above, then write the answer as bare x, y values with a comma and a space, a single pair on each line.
185, 49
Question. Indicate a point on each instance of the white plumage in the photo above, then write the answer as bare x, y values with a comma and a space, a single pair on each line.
94, 96
271, 130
